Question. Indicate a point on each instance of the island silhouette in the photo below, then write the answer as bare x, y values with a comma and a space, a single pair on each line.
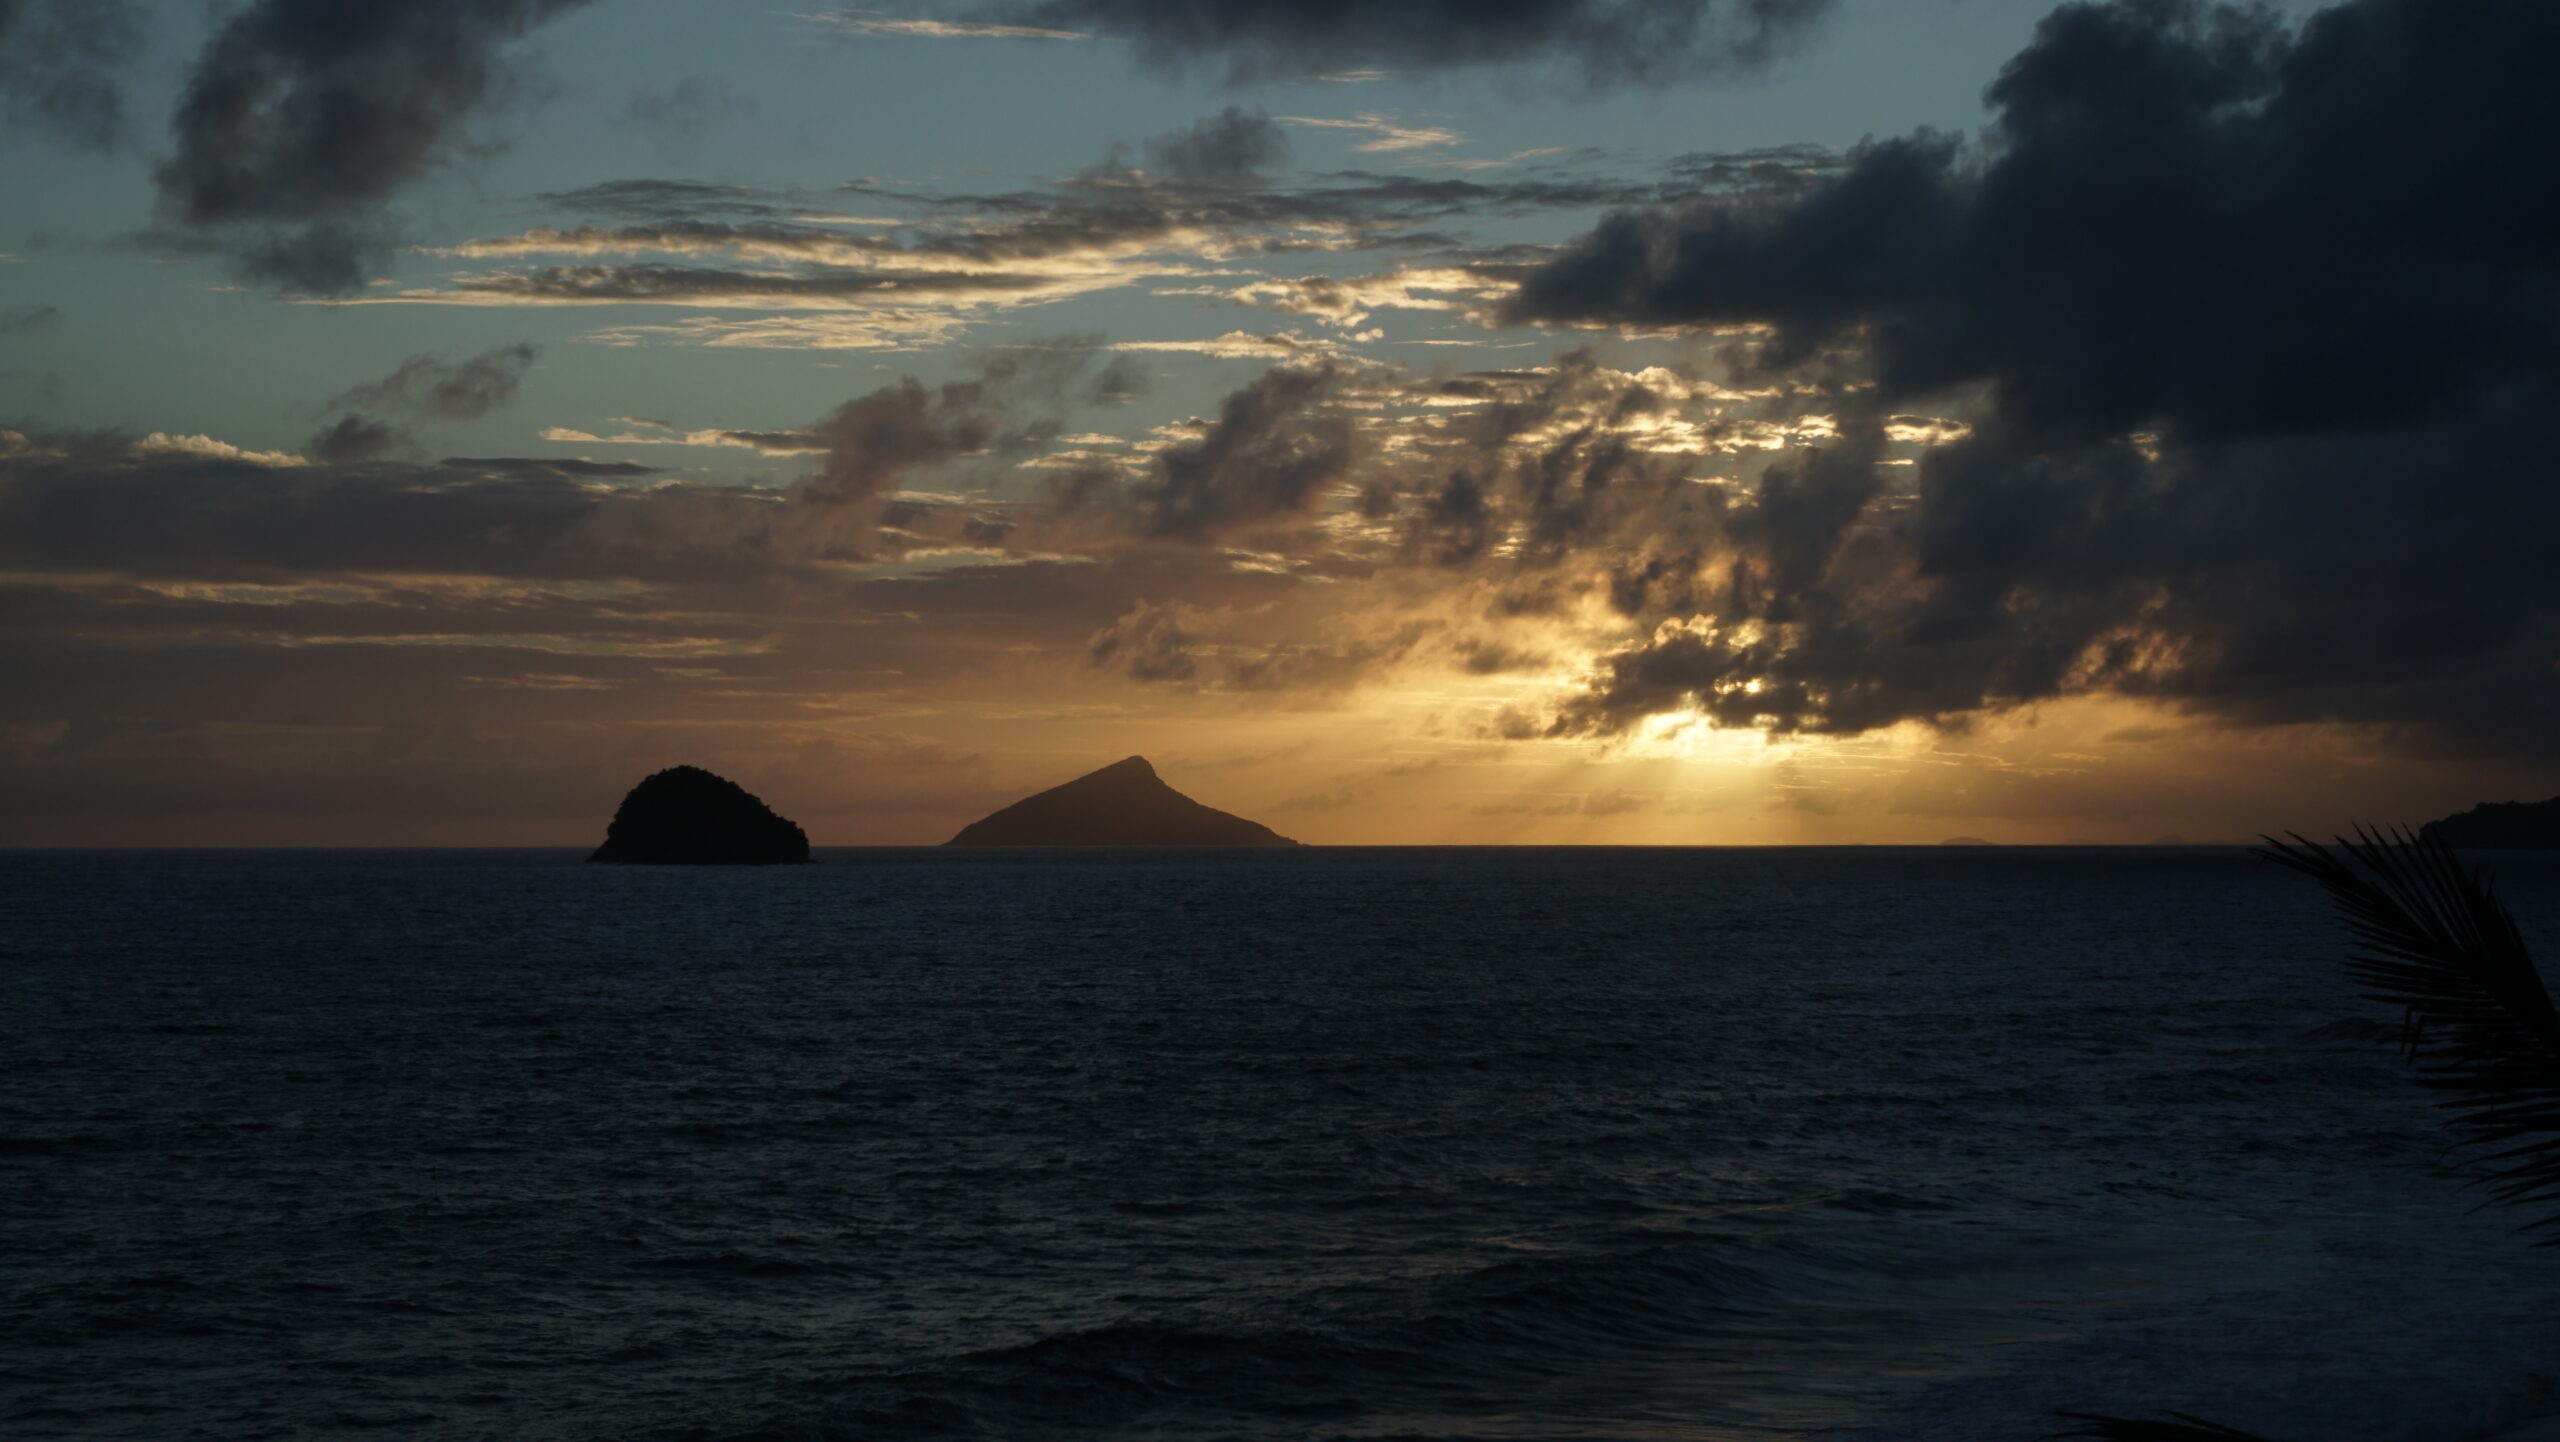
686, 816
1123, 804
2502, 826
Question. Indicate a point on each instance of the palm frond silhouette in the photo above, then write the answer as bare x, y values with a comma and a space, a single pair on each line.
2433, 939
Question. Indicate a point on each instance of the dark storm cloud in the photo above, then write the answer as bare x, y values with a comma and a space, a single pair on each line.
2266, 327
2303, 579
58, 64
1230, 147
301, 117
434, 389
1648, 41
355, 439
1769, 168
1271, 454
1358, 468
874, 439
324, 257
426, 388
2182, 215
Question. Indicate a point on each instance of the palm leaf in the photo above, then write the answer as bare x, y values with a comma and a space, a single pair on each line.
2179, 1428
2433, 939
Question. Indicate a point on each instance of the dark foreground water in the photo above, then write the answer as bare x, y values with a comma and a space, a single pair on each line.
1335, 1143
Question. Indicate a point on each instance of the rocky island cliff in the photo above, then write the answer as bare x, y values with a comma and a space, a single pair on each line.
1123, 804
685, 816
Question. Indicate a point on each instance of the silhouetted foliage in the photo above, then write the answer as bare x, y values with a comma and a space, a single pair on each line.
2433, 938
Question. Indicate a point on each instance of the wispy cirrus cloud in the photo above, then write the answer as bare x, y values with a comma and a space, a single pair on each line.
1240, 345
1598, 41
638, 432
873, 22
1387, 135
913, 268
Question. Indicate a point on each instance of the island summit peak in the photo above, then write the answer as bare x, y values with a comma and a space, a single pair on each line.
1123, 804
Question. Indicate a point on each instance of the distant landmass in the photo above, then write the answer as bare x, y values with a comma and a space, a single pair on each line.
685, 816
2503, 826
1123, 804
1967, 841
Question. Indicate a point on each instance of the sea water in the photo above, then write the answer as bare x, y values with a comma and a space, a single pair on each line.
1710, 1144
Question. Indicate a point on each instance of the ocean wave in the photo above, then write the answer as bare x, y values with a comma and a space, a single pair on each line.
1475, 1337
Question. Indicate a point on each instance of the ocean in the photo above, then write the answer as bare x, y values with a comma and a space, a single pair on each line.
1335, 1143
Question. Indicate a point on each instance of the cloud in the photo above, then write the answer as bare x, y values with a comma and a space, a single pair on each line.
1238, 345
2256, 331
434, 389
1270, 455
424, 388
58, 60
301, 117
872, 22
638, 432
1230, 147
714, 285
1211, 201
1495, 162
353, 440
190, 506
653, 199
524, 467
1151, 643
25, 319
1252, 650
1347, 301
682, 111
1386, 135
193, 506
2182, 215
1640, 41
323, 257
897, 329
202, 447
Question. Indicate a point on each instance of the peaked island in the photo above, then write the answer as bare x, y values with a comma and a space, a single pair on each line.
1123, 804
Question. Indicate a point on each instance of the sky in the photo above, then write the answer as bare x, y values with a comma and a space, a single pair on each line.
1448, 422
